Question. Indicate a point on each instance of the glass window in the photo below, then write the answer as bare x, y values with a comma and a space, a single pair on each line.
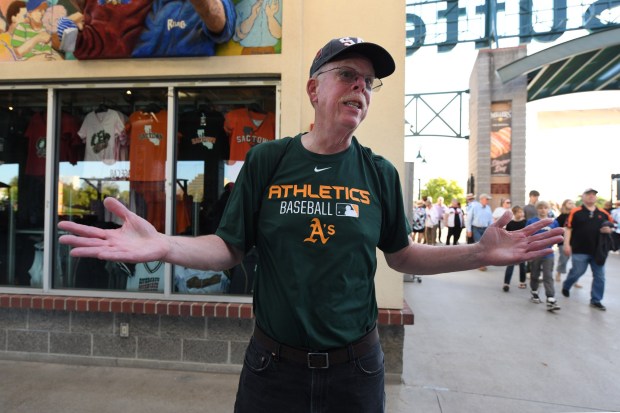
22, 186
115, 142
216, 128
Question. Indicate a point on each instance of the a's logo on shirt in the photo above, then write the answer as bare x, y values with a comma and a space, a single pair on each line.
318, 230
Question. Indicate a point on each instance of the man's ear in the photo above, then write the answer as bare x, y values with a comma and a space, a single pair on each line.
311, 89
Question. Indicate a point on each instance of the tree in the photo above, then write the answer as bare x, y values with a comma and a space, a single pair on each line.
437, 187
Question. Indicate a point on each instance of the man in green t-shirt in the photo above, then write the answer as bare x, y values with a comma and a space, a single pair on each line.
316, 206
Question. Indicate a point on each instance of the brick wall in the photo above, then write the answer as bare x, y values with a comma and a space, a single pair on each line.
162, 334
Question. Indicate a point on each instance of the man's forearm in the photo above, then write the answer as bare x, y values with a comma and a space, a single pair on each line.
208, 252
212, 14
432, 259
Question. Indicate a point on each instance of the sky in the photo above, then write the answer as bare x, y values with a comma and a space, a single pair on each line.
560, 162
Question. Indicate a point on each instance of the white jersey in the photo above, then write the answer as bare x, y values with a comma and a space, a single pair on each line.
104, 134
148, 276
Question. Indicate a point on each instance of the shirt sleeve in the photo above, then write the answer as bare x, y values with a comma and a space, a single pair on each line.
395, 229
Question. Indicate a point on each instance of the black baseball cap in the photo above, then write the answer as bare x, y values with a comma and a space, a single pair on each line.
381, 59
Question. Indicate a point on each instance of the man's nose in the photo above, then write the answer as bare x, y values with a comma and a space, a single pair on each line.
359, 82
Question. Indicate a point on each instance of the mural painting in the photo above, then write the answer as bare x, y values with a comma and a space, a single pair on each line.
112, 29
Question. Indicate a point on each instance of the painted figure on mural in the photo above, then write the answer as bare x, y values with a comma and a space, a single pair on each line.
6, 51
107, 29
31, 38
259, 25
31, 31
148, 28
186, 28
15, 13
102, 30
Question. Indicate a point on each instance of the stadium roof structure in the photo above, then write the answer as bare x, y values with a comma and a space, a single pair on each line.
589, 63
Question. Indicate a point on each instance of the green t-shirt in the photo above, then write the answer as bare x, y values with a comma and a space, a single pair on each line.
316, 221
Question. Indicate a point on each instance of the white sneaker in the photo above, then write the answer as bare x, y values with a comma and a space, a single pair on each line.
552, 304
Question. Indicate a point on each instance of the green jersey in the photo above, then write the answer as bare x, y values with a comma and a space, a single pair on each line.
316, 221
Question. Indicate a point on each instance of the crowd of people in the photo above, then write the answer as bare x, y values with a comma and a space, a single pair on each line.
590, 233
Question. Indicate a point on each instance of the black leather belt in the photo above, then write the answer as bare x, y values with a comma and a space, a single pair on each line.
318, 359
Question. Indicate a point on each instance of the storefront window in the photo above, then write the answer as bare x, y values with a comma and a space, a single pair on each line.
22, 186
216, 128
116, 142
116, 145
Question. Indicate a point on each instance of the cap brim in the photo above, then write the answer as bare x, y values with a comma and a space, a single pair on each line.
381, 59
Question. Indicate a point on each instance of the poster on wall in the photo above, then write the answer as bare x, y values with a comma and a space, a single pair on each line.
501, 137
47, 30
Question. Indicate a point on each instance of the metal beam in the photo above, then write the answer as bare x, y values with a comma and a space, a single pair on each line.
418, 125
591, 42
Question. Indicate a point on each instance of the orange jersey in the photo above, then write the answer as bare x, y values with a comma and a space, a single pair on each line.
247, 129
147, 145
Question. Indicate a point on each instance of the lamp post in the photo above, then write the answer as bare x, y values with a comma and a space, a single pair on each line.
419, 188
421, 159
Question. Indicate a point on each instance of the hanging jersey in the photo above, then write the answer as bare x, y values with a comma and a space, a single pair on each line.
148, 277
147, 145
71, 146
102, 132
247, 129
37, 142
202, 136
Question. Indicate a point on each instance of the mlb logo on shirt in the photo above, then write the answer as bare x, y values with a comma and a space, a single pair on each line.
347, 210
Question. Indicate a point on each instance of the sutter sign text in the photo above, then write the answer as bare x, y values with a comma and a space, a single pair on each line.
446, 23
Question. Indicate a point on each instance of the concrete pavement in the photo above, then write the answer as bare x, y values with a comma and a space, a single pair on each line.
474, 348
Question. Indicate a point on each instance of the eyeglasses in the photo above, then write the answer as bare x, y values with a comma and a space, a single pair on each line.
349, 76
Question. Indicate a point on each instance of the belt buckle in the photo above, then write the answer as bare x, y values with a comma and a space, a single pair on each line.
318, 360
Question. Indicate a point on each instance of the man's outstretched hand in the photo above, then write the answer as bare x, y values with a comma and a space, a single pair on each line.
136, 241
501, 247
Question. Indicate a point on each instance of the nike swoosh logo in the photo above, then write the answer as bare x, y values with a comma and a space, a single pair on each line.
316, 169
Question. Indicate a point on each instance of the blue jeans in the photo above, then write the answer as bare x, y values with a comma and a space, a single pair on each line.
580, 265
273, 385
477, 232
